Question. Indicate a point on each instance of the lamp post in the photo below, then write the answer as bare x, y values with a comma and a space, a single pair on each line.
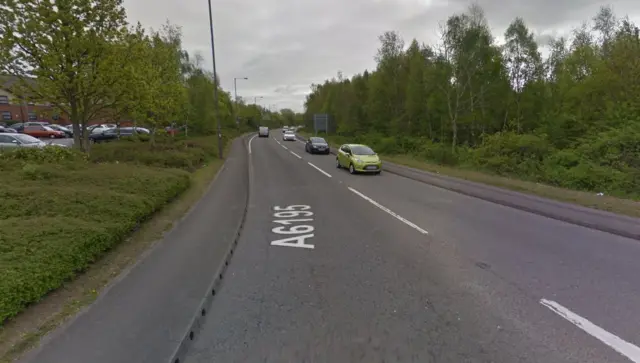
235, 94
215, 85
256, 98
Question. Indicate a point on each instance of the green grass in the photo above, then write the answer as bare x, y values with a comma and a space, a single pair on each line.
63, 210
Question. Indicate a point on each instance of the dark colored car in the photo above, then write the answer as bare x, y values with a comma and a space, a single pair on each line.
317, 145
115, 133
67, 131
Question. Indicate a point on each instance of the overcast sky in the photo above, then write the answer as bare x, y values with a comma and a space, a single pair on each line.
283, 46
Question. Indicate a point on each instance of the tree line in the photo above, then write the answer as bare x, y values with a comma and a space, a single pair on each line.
84, 59
572, 119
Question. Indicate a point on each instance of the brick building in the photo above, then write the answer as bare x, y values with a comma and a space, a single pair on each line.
12, 110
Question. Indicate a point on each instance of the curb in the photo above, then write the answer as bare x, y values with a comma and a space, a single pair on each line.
200, 315
630, 227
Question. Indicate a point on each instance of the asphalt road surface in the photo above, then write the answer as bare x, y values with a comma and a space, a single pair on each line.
66, 141
333, 267
394, 270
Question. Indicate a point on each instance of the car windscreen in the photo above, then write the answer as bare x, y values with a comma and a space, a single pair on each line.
26, 139
318, 140
362, 150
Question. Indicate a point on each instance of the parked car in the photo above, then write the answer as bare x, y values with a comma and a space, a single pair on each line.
67, 132
43, 131
116, 133
19, 140
98, 128
8, 130
175, 130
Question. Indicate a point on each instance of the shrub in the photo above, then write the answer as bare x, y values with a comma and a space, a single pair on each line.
187, 154
57, 221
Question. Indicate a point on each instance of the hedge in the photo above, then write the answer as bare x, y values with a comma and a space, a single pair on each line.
61, 209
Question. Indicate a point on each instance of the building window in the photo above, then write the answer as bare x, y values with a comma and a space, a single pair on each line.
6, 115
32, 116
4, 100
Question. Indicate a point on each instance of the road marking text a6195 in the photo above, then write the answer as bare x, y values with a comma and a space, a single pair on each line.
293, 214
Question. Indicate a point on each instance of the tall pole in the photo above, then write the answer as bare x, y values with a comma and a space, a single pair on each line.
215, 85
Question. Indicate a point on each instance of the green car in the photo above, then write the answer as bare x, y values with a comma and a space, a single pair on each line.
358, 159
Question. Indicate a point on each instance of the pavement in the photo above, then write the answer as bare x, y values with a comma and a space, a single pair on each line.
142, 317
333, 267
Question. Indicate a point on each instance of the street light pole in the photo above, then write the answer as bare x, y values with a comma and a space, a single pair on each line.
255, 99
235, 94
215, 85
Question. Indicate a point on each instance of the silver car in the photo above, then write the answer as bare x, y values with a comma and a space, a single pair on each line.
22, 140
289, 136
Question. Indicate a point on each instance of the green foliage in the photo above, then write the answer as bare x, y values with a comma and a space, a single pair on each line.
570, 120
168, 152
56, 221
62, 209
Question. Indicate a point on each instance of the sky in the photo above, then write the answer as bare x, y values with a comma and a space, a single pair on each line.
284, 46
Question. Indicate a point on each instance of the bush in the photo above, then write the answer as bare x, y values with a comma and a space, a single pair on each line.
49, 154
55, 221
166, 152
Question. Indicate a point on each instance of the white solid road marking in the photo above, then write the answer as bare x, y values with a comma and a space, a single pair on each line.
251, 139
320, 170
619, 345
398, 217
296, 155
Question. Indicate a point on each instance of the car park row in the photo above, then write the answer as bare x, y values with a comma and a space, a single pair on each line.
32, 134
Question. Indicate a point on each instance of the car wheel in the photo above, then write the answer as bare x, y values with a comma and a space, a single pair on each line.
338, 163
352, 170
52, 136
378, 172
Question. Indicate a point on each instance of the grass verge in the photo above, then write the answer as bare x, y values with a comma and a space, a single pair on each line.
70, 208
616, 205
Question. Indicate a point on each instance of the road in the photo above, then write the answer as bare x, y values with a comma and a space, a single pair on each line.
66, 141
377, 269
404, 272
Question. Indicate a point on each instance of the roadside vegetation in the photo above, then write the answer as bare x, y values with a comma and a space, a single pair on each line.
64, 208
475, 107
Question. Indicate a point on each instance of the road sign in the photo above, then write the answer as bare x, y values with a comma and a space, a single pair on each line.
320, 122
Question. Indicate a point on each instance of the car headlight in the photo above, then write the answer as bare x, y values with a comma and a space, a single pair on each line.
359, 161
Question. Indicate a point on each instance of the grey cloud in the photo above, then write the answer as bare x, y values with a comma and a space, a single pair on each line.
283, 46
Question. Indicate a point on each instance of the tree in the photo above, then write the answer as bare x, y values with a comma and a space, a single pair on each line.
65, 55
566, 120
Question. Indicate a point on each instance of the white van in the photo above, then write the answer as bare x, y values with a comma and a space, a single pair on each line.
263, 131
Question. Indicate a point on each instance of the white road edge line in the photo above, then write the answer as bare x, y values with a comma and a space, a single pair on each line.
251, 139
296, 155
618, 344
398, 217
286, 148
320, 170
